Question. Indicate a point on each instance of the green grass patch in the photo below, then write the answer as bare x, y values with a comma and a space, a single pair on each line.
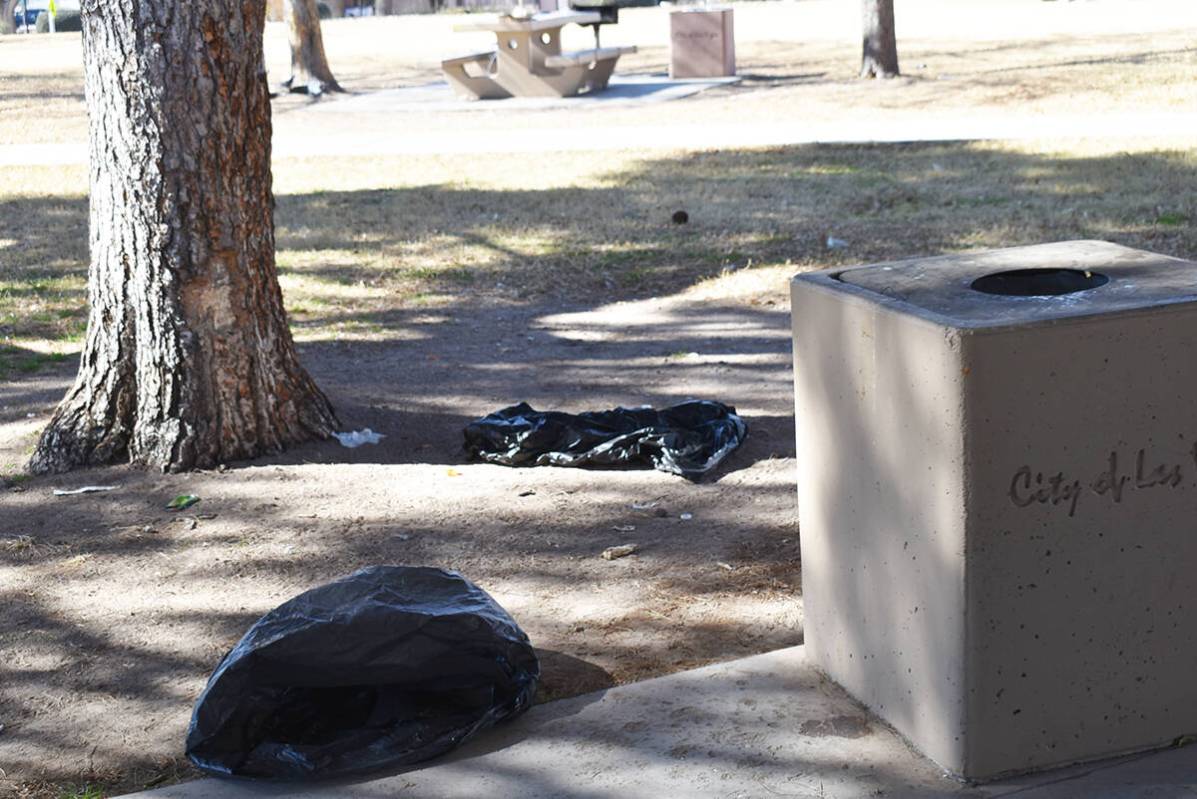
86, 792
19, 361
1171, 219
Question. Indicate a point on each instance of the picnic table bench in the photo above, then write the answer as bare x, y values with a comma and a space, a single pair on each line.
528, 60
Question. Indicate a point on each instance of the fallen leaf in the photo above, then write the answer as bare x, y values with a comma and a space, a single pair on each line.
622, 551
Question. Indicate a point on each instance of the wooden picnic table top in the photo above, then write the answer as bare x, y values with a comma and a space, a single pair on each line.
538, 22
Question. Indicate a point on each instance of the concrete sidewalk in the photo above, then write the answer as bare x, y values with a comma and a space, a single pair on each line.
760, 727
688, 137
623, 91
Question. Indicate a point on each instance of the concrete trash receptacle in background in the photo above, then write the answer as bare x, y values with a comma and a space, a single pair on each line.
998, 498
701, 43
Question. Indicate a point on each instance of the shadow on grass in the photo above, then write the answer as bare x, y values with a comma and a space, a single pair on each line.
538, 321
22, 89
616, 241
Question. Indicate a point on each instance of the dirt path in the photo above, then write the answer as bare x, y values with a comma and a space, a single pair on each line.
116, 610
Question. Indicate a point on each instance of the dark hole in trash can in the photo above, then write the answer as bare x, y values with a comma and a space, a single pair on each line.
1038, 282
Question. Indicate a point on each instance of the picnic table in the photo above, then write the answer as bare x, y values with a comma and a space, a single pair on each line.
528, 60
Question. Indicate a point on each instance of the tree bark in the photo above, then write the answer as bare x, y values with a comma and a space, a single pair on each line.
9, 11
880, 57
309, 66
188, 361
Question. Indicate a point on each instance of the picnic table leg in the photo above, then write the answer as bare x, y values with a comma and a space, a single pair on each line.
473, 87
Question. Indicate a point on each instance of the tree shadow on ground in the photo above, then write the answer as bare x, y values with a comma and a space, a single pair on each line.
609, 304
582, 246
616, 241
21, 89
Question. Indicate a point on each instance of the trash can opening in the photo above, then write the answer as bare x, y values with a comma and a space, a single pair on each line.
1038, 282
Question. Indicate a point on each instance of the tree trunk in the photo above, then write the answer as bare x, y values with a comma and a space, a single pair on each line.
9, 11
188, 361
309, 65
880, 59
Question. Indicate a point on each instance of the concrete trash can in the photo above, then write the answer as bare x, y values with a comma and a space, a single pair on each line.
998, 499
701, 43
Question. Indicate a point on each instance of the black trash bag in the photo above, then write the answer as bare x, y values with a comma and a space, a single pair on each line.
386, 667
689, 439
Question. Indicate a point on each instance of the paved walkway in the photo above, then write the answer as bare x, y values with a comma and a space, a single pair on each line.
575, 138
622, 91
764, 726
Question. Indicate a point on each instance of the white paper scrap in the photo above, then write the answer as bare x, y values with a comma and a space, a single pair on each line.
359, 437
61, 492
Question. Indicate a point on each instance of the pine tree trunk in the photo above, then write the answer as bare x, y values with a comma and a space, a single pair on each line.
188, 361
880, 58
309, 65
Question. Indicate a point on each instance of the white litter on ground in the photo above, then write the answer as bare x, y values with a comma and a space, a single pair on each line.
359, 437
62, 492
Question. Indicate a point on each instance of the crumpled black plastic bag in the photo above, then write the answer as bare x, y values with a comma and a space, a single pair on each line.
388, 666
689, 439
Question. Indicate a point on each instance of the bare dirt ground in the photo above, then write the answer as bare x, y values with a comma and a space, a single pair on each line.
429, 291
116, 609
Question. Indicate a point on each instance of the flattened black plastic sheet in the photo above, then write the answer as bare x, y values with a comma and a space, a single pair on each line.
388, 666
690, 439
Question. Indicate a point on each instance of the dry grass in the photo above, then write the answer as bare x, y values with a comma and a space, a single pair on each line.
360, 238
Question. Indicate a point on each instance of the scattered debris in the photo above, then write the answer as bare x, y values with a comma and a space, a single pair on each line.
650, 509
452, 472
624, 528
836, 244
686, 516
528, 493
359, 437
622, 551
17, 543
725, 566
62, 492
182, 502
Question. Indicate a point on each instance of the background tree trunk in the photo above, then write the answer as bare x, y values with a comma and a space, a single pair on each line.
880, 58
9, 10
309, 65
188, 360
